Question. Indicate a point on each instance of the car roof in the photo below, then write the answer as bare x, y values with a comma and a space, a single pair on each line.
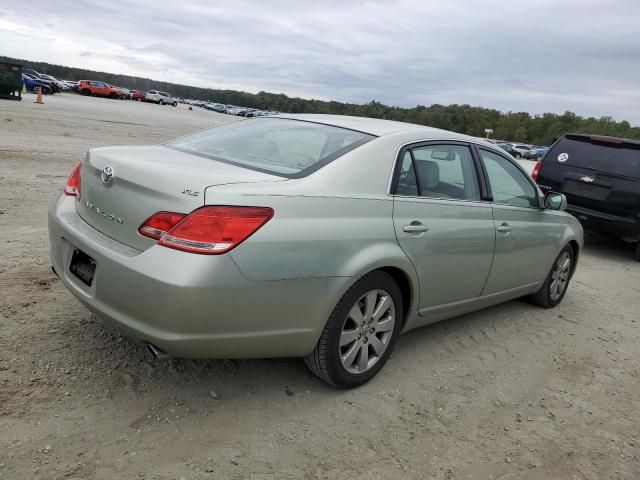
603, 138
379, 127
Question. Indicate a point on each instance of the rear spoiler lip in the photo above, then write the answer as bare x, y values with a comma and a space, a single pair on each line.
613, 141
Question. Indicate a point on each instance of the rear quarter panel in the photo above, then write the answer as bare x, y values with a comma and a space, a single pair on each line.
337, 222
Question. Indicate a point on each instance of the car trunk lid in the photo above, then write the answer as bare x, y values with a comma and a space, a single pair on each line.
141, 181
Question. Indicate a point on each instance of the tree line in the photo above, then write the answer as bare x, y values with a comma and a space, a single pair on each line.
513, 126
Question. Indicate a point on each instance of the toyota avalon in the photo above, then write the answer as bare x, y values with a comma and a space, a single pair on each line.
314, 236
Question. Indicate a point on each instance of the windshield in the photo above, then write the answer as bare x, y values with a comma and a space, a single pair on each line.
289, 148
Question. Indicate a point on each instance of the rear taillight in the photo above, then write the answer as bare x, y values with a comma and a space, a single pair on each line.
72, 188
159, 224
536, 170
208, 230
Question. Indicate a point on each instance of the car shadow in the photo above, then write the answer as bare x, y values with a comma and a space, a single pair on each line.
608, 247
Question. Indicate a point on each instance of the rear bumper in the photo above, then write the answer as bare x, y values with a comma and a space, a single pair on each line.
192, 306
604, 222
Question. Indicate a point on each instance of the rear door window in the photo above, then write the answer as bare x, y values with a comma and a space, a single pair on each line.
601, 156
445, 171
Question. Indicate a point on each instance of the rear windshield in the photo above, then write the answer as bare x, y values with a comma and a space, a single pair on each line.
617, 159
288, 148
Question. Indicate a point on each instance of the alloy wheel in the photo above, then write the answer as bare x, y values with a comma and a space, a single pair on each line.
560, 276
367, 331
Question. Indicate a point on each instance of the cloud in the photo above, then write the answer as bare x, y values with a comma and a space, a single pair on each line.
535, 56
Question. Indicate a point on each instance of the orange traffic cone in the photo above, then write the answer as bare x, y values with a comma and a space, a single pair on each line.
39, 98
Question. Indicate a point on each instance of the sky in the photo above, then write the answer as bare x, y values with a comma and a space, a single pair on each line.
513, 55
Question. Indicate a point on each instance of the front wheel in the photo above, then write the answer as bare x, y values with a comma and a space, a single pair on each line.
555, 286
160, 102
175, 104
360, 334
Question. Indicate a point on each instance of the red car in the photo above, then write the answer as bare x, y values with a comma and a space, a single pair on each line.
138, 95
99, 89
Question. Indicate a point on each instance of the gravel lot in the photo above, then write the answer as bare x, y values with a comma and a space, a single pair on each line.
512, 392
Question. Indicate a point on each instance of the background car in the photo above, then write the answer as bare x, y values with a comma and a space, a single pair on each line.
507, 147
216, 107
531, 154
31, 83
519, 150
125, 93
53, 86
542, 151
333, 231
161, 98
98, 89
138, 95
71, 84
600, 177
59, 84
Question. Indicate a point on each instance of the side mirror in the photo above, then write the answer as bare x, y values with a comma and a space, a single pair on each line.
555, 201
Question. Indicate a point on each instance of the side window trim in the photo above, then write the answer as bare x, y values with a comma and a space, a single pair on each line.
415, 171
480, 181
483, 178
480, 148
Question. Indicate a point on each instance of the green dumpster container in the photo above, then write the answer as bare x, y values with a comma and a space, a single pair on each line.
10, 81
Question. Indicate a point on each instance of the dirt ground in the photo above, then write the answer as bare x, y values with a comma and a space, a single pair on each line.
512, 392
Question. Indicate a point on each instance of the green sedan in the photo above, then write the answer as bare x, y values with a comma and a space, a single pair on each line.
314, 236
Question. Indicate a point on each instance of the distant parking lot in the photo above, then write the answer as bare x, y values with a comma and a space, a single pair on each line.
511, 392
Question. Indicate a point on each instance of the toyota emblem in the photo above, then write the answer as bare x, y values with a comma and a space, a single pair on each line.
107, 174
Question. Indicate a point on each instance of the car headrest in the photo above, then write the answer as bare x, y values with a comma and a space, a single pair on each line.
428, 173
260, 147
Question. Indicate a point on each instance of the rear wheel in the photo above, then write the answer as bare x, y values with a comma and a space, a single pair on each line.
160, 102
518, 155
175, 104
85, 91
360, 333
555, 286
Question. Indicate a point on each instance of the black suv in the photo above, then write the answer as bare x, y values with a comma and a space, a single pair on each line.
600, 177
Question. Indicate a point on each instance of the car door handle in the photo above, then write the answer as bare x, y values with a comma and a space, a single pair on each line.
415, 228
504, 228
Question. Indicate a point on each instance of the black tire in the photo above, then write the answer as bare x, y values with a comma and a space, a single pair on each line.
175, 104
544, 296
85, 91
518, 155
160, 102
324, 361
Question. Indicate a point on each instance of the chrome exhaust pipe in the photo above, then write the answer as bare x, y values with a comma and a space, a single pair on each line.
157, 353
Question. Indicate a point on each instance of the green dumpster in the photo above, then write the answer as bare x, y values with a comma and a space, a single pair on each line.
10, 81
